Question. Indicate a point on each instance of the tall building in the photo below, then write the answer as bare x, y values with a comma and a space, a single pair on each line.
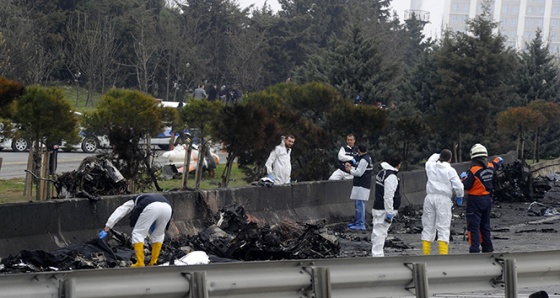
519, 19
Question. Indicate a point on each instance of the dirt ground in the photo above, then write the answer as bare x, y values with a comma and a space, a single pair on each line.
516, 227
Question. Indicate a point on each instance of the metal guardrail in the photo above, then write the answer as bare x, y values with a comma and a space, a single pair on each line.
418, 276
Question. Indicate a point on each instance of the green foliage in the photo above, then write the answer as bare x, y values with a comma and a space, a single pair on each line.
200, 114
538, 77
126, 117
9, 92
43, 114
354, 65
473, 73
253, 129
519, 120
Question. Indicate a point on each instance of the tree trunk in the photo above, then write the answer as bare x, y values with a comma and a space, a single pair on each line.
536, 145
518, 143
522, 146
187, 164
201, 157
227, 171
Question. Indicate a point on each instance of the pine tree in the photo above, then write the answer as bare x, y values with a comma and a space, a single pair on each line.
474, 70
538, 76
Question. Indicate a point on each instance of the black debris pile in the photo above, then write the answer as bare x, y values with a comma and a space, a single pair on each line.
514, 183
93, 254
235, 236
408, 221
96, 176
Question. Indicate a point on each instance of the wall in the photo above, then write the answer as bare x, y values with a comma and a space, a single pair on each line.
58, 223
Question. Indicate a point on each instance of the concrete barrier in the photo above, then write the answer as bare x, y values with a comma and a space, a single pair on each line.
58, 223
545, 167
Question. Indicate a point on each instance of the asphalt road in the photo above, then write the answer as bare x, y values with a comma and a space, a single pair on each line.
13, 164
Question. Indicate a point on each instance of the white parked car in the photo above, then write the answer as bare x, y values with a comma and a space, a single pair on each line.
89, 144
18, 145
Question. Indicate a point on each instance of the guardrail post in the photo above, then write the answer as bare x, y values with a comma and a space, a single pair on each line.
197, 284
322, 282
510, 278
69, 286
420, 279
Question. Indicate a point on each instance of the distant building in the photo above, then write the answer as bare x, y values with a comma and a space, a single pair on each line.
519, 19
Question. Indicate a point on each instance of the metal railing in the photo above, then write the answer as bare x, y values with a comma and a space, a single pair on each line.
418, 276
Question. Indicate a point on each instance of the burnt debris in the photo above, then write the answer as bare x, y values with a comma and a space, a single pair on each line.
514, 183
96, 176
234, 236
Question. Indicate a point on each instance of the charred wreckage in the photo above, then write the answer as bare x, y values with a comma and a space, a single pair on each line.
232, 235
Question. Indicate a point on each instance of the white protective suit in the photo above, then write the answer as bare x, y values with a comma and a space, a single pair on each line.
380, 226
339, 174
156, 212
442, 182
279, 164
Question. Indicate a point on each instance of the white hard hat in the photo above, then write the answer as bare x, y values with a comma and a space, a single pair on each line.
478, 151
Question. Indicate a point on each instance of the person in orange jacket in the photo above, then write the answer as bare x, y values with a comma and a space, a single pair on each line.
478, 183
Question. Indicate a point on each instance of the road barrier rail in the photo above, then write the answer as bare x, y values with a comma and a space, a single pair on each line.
405, 276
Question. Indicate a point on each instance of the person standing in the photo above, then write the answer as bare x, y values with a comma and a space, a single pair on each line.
479, 185
149, 213
443, 181
52, 149
361, 187
346, 154
212, 92
200, 93
386, 204
278, 165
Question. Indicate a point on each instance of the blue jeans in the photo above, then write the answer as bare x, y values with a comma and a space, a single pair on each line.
360, 213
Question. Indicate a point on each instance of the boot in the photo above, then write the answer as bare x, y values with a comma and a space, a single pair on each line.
426, 247
443, 247
156, 248
139, 250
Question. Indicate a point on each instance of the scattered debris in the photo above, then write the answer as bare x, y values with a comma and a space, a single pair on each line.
548, 230
235, 237
96, 176
515, 184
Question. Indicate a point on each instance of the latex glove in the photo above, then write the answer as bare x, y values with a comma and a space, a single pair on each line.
102, 234
499, 160
389, 218
463, 175
353, 161
459, 201
270, 177
152, 228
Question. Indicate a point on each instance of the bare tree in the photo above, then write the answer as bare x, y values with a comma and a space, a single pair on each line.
146, 51
248, 55
174, 56
15, 30
91, 51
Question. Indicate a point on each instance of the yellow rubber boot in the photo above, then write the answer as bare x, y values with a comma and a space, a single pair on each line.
156, 248
443, 247
426, 247
139, 250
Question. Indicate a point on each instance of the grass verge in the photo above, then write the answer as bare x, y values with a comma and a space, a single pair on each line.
11, 190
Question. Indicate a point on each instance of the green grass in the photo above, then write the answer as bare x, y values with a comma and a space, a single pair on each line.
207, 182
11, 190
